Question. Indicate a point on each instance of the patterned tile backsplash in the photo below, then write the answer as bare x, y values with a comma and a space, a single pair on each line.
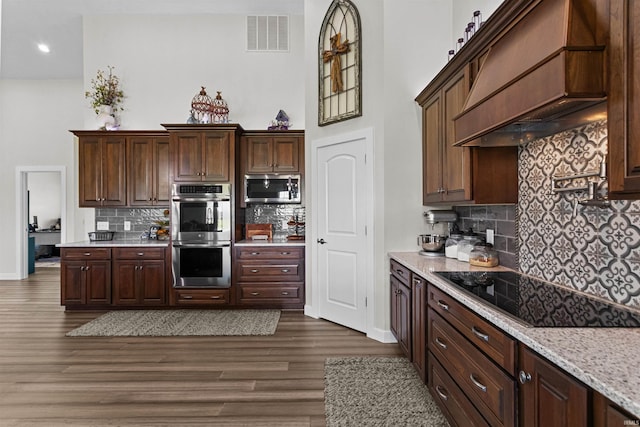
589, 248
276, 215
141, 220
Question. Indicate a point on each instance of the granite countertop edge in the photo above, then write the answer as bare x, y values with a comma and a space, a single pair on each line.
602, 358
274, 242
113, 243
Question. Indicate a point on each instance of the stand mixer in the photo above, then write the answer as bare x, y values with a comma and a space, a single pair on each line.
433, 244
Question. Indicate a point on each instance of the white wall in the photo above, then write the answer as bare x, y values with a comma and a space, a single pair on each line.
34, 120
163, 60
44, 198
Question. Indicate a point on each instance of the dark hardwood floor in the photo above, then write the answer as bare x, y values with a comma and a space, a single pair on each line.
47, 379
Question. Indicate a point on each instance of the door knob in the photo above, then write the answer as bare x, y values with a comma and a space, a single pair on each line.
321, 241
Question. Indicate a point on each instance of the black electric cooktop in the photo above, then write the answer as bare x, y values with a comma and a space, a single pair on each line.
541, 304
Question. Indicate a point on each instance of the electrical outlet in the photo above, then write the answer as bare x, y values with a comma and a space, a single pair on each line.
490, 236
102, 225
127, 226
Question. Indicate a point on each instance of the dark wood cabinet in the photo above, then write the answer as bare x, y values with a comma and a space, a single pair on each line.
203, 152
270, 276
272, 151
85, 277
623, 99
148, 170
419, 324
102, 170
607, 414
548, 395
139, 276
461, 174
401, 307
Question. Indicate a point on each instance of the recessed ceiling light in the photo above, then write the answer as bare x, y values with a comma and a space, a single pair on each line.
44, 48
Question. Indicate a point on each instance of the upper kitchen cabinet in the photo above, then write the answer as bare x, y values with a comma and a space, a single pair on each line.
148, 169
102, 168
624, 99
272, 151
460, 174
203, 152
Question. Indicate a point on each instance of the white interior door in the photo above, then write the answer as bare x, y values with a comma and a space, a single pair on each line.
341, 232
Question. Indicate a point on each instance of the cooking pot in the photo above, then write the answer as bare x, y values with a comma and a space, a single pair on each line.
431, 242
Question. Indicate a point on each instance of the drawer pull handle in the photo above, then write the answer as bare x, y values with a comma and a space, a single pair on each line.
440, 343
285, 293
187, 297
400, 272
87, 254
475, 382
479, 334
442, 394
285, 253
255, 270
443, 305
255, 294
215, 297
285, 270
255, 253
140, 253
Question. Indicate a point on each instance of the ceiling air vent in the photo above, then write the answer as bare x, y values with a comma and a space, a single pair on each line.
268, 33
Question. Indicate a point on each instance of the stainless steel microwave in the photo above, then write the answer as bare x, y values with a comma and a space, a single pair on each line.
272, 188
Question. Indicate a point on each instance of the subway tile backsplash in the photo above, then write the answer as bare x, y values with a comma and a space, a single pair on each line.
141, 219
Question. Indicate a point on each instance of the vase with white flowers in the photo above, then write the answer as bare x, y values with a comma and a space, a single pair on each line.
106, 98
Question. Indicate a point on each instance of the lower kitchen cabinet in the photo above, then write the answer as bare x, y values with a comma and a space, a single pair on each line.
401, 307
548, 395
139, 276
85, 276
269, 276
607, 414
200, 297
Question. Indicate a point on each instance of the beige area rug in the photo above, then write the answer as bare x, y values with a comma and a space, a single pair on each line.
377, 391
166, 323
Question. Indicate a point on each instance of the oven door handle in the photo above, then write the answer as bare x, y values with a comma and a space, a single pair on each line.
201, 245
201, 199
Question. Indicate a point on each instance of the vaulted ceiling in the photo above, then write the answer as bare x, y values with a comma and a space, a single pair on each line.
58, 23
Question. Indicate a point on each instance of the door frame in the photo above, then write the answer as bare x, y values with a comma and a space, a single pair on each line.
22, 226
313, 309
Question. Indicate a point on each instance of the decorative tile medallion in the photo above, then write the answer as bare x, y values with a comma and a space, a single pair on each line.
592, 249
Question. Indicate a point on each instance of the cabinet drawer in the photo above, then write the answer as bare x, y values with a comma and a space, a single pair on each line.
85, 253
269, 253
138, 253
500, 347
270, 292
487, 386
400, 271
270, 273
450, 398
203, 297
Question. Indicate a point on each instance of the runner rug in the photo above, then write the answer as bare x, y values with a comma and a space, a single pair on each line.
165, 323
377, 391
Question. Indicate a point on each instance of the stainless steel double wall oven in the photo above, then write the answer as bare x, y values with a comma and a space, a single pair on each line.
201, 235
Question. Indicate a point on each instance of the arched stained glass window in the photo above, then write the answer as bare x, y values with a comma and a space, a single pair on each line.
339, 64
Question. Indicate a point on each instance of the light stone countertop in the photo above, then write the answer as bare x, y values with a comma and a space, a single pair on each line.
605, 359
275, 242
114, 243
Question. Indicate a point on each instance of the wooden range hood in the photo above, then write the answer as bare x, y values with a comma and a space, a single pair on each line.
543, 73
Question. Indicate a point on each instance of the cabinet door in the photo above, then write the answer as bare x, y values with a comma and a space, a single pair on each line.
608, 414
456, 161
623, 99
124, 282
151, 283
72, 281
259, 154
161, 172
550, 397
114, 187
394, 284
216, 156
98, 277
90, 172
187, 159
140, 163
418, 323
286, 154
431, 158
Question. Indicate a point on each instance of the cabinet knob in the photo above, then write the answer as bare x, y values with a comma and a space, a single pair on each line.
524, 377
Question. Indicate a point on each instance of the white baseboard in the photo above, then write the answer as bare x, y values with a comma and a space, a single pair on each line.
382, 335
310, 311
10, 276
